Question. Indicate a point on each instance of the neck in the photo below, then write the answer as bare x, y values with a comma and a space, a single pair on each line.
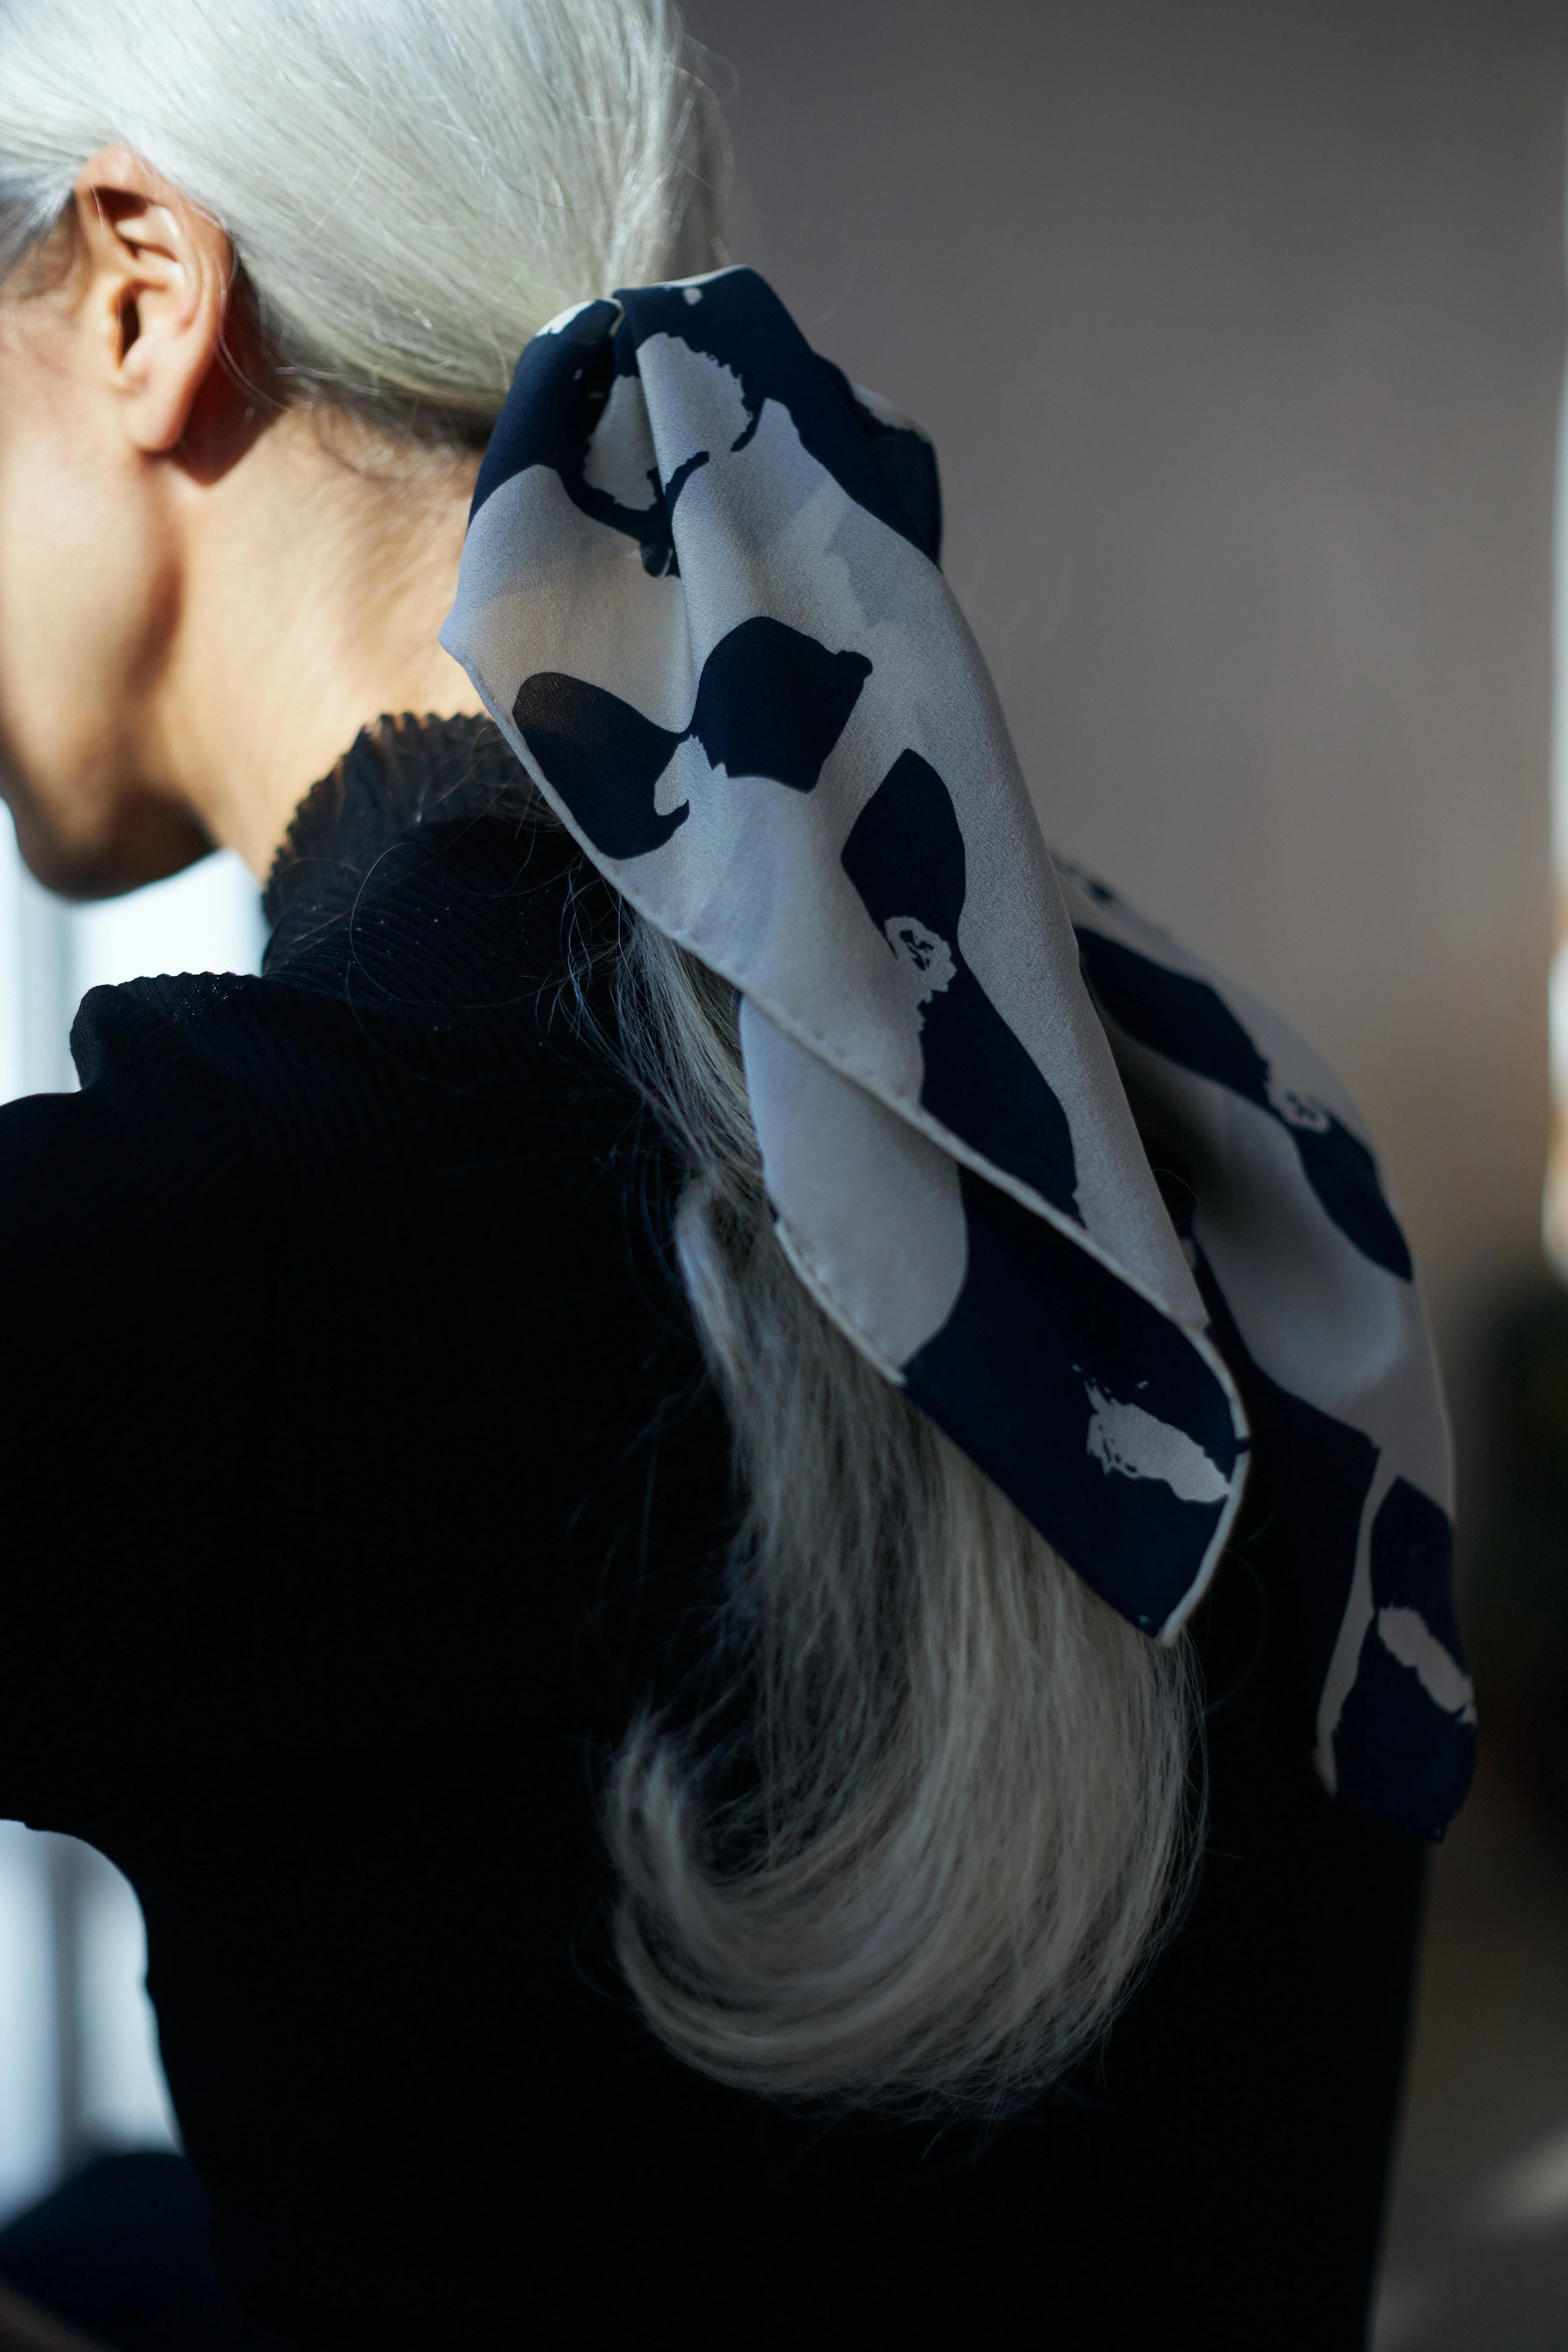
318, 573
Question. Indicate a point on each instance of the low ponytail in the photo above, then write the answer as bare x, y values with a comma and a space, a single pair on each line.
968, 1816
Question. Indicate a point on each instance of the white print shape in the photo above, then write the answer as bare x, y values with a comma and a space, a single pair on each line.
1407, 1635
869, 1210
1296, 1109
563, 319
923, 954
620, 459
1124, 1437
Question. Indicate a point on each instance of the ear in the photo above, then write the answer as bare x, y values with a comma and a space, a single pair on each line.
158, 273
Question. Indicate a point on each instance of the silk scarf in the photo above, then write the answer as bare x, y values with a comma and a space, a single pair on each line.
1101, 1213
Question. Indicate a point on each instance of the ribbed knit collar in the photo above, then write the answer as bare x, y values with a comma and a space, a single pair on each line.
399, 774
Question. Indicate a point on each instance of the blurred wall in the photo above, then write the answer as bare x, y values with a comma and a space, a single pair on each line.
1239, 325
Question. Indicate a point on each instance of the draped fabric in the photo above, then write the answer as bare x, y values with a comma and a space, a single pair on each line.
1074, 1192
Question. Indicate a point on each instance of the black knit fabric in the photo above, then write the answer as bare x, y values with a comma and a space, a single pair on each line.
361, 1480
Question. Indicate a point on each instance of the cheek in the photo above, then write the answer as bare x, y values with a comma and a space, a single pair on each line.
61, 589
74, 594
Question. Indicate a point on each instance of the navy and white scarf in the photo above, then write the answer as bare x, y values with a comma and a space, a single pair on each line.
700, 597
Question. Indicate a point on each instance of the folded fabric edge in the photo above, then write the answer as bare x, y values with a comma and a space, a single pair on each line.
1196, 1334
1167, 1635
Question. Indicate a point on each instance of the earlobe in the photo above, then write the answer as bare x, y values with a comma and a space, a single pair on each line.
160, 277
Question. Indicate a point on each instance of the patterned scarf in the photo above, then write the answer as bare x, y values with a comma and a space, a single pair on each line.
1101, 1213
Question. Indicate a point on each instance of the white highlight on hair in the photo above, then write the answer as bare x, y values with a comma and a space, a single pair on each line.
964, 1815
411, 187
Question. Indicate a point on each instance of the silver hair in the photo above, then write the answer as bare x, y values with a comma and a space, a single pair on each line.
411, 187
965, 1814
965, 1817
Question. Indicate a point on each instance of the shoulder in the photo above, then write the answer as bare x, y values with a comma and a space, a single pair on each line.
128, 1168
423, 1030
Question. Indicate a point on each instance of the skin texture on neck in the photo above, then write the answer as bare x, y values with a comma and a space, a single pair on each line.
206, 586
317, 574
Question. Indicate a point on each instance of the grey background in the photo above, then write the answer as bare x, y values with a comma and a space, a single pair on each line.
1239, 325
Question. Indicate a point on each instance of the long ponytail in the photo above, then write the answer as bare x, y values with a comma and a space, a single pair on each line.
968, 1811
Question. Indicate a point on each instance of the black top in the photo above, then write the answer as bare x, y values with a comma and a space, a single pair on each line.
360, 1478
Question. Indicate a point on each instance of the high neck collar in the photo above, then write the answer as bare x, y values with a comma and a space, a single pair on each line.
396, 775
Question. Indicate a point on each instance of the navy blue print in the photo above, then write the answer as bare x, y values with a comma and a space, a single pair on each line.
771, 702
563, 383
741, 322
1399, 1750
1396, 1754
905, 857
1413, 1560
558, 391
1313, 1476
1187, 1020
603, 758
1024, 1411
558, 396
907, 462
